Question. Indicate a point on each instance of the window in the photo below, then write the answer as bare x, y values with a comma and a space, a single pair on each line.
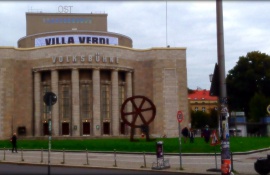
105, 101
65, 102
203, 109
45, 108
86, 100
121, 94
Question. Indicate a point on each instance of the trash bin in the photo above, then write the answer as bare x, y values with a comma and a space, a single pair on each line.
159, 149
262, 165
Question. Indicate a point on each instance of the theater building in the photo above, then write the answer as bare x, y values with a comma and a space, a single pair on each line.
92, 71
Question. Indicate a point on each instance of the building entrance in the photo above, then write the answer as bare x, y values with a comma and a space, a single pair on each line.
122, 128
45, 129
86, 128
106, 128
65, 128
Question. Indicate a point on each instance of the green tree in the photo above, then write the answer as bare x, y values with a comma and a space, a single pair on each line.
199, 119
213, 123
251, 75
257, 106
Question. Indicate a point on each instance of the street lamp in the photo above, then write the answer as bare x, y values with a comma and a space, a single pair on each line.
225, 142
211, 76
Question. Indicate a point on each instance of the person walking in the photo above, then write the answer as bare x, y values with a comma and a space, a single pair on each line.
191, 135
185, 133
14, 143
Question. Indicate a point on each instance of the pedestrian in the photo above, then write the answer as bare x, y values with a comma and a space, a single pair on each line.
185, 134
14, 143
206, 134
191, 136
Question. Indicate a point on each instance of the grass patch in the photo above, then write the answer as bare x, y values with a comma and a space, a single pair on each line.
170, 145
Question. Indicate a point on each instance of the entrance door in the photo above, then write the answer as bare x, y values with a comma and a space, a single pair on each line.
65, 128
86, 128
45, 129
106, 128
122, 128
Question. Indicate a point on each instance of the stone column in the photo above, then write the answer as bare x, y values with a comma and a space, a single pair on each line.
55, 107
128, 84
115, 103
75, 103
37, 103
129, 94
96, 103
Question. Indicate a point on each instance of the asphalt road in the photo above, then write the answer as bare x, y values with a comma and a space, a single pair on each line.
110, 163
19, 169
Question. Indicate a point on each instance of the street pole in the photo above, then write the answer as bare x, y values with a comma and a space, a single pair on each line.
225, 142
180, 146
50, 135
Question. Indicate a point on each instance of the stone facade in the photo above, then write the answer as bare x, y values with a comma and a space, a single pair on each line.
91, 82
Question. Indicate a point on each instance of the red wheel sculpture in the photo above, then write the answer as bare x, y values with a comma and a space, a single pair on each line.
142, 108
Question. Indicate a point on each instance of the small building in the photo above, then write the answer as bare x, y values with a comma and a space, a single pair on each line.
200, 100
238, 124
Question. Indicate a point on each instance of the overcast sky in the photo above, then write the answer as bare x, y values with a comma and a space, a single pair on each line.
190, 24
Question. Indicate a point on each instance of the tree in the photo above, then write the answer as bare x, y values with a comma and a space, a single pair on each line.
251, 75
257, 106
200, 119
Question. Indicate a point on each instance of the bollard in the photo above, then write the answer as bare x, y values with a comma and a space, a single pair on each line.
22, 155
87, 162
216, 158
232, 161
115, 165
4, 153
41, 161
144, 159
63, 156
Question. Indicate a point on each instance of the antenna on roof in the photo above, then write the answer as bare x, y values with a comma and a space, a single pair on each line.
166, 26
34, 10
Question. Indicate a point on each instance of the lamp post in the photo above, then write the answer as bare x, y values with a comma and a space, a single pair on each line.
225, 142
218, 118
211, 77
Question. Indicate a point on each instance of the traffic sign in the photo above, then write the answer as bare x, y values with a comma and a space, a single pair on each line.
214, 139
49, 98
180, 116
268, 109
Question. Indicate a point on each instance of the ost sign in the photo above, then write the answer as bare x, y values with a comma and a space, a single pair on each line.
64, 9
180, 116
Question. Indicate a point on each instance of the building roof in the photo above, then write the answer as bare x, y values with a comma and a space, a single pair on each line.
201, 94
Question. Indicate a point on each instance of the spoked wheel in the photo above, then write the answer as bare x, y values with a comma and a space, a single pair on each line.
143, 112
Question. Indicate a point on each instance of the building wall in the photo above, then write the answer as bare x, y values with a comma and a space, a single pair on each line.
29, 41
60, 24
200, 104
157, 73
51, 22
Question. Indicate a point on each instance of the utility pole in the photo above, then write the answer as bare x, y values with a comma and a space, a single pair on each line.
225, 140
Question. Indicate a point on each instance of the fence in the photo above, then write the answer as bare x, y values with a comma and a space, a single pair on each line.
242, 163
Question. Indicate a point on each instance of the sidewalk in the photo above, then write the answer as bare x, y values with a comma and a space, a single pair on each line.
191, 163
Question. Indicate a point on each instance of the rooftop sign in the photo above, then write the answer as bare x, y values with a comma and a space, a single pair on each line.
75, 39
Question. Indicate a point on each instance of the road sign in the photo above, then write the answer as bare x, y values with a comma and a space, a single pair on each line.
49, 98
214, 139
180, 116
268, 109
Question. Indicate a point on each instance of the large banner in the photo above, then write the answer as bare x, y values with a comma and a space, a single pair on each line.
75, 39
